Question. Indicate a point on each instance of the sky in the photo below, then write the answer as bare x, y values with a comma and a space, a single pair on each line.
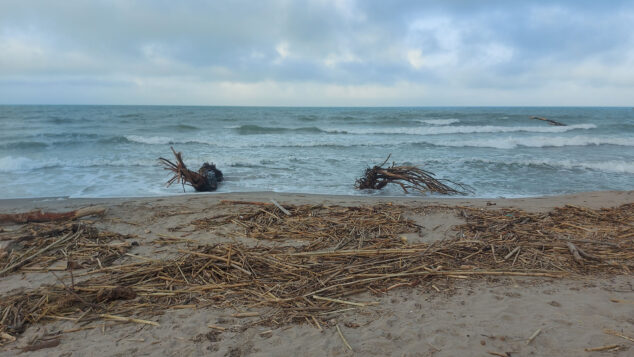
317, 52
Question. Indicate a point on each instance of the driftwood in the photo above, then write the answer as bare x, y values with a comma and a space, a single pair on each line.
550, 121
40, 216
408, 177
206, 179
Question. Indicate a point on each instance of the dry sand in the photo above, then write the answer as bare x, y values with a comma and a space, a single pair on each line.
485, 317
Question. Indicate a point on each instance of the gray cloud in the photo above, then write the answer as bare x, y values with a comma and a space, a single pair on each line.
318, 52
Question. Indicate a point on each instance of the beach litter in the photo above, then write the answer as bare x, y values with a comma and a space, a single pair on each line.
346, 257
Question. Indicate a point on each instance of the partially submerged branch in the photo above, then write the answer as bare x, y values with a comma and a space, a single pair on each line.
550, 121
206, 179
409, 178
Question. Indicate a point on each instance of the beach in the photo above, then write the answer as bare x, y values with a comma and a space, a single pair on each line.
567, 315
316, 178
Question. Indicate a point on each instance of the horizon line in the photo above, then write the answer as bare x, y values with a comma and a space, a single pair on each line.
321, 106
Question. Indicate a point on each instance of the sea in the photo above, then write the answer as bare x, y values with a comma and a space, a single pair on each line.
112, 151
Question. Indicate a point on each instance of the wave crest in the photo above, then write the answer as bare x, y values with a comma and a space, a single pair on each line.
256, 129
535, 141
439, 121
151, 140
469, 129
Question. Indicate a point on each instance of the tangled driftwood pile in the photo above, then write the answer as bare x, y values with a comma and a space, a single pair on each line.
206, 179
409, 178
348, 251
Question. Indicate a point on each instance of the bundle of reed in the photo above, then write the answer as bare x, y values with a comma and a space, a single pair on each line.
568, 238
321, 227
409, 178
37, 247
312, 283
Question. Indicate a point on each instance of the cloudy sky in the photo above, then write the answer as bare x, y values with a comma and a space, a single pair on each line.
317, 52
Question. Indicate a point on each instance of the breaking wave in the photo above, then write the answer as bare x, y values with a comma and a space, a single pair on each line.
20, 163
536, 141
151, 140
468, 129
439, 121
615, 166
256, 129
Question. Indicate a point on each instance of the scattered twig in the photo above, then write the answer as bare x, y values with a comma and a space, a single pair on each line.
620, 301
316, 297
618, 334
505, 354
533, 336
6, 337
28, 258
345, 342
511, 253
286, 212
41, 345
575, 253
129, 319
333, 253
603, 348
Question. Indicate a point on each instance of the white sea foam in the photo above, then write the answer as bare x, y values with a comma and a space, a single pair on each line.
152, 140
10, 163
605, 166
616, 166
509, 142
535, 141
468, 129
439, 121
17, 164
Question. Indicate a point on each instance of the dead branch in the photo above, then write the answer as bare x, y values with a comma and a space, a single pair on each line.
408, 177
550, 121
40, 216
206, 179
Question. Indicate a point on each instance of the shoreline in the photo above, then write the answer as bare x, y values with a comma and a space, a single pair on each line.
592, 199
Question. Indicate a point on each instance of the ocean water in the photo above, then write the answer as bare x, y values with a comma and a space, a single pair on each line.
112, 151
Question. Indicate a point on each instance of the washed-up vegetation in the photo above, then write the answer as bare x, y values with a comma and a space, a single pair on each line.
347, 256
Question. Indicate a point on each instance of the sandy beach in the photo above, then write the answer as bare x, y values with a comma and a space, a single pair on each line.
470, 315
316, 178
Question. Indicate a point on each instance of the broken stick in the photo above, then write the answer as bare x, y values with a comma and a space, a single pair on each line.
286, 212
40, 216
